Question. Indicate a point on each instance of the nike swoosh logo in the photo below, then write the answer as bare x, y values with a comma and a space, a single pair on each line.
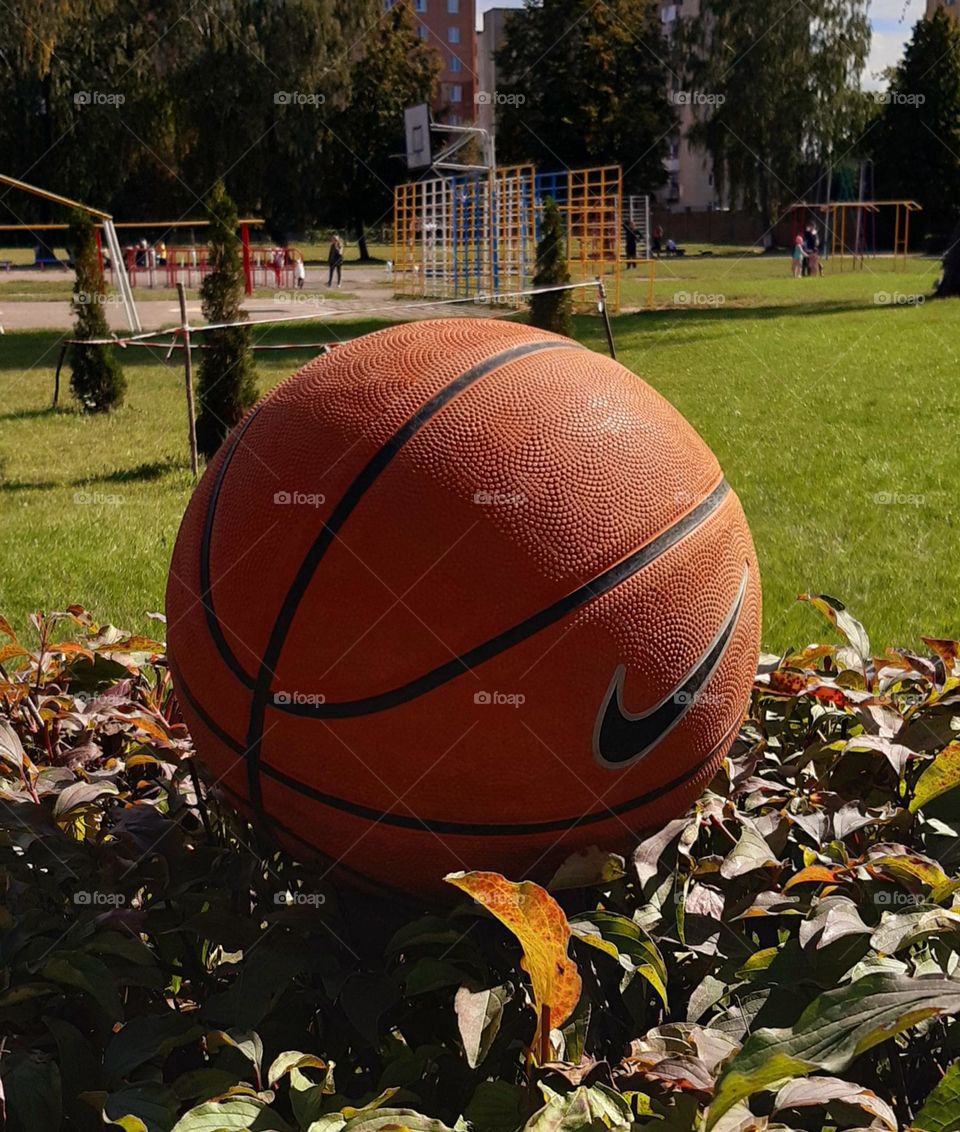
621, 738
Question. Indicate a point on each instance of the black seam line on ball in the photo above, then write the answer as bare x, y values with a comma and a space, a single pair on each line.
206, 595
433, 825
571, 602
344, 508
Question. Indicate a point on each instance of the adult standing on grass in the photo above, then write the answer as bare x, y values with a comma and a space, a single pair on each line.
299, 270
630, 230
335, 259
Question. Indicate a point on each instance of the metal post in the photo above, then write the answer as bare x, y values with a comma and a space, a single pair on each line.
188, 378
247, 270
601, 291
120, 276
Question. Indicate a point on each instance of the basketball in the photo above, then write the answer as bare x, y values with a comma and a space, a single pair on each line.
462, 594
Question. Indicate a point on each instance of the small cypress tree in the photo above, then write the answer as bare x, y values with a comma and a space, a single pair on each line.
949, 284
227, 385
97, 380
552, 310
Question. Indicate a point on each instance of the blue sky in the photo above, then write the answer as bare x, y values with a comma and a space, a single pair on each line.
893, 22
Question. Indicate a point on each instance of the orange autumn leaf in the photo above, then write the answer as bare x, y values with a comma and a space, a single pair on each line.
539, 923
812, 874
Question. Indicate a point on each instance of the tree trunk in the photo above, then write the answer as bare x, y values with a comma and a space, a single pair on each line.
362, 254
950, 283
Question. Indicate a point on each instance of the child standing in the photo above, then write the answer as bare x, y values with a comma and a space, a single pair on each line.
799, 255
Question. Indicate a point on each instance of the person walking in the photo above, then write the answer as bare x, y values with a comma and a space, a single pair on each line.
335, 259
299, 270
657, 241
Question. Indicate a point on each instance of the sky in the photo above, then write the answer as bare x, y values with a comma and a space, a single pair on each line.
892, 20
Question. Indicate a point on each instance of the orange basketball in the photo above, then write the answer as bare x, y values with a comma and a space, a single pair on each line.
462, 594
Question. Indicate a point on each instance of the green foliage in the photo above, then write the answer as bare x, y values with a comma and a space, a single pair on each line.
772, 96
917, 140
227, 380
396, 70
585, 84
949, 284
786, 951
97, 380
553, 310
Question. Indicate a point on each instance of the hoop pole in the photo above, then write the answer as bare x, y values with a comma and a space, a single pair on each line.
56, 376
188, 378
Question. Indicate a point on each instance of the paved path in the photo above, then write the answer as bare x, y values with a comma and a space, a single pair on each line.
370, 289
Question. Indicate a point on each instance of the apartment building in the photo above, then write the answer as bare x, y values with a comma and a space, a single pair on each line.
449, 26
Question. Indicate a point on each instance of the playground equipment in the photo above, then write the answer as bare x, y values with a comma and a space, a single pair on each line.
849, 215
475, 234
109, 232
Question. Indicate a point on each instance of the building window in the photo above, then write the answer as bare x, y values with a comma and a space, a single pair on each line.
454, 120
455, 65
456, 92
453, 35
453, 7
422, 32
421, 5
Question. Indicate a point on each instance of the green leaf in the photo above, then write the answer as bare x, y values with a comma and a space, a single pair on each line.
430, 974
231, 1114
583, 1110
79, 1069
293, 1059
479, 1015
835, 1028
145, 1038
81, 796
941, 1109
836, 613
751, 852
247, 1043
76, 969
497, 1106
395, 1120
32, 1089
624, 940
11, 749
146, 1107
941, 776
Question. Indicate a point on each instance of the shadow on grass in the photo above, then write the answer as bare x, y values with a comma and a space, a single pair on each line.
142, 473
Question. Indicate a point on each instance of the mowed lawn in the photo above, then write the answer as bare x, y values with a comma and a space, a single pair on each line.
832, 405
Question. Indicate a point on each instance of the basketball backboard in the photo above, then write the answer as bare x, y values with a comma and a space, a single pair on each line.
416, 121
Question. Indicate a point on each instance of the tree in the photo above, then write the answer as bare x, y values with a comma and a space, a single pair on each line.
917, 141
586, 84
772, 91
227, 382
551, 311
949, 285
363, 142
97, 380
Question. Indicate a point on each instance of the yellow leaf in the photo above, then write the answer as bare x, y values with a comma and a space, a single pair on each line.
539, 923
941, 775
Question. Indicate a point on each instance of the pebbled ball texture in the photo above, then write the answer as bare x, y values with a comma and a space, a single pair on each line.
462, 594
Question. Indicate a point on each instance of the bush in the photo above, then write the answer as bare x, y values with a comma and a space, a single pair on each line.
553, 310
227, 381
787, 948
97, 380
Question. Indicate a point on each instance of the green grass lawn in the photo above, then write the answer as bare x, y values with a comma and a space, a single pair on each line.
833, 412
